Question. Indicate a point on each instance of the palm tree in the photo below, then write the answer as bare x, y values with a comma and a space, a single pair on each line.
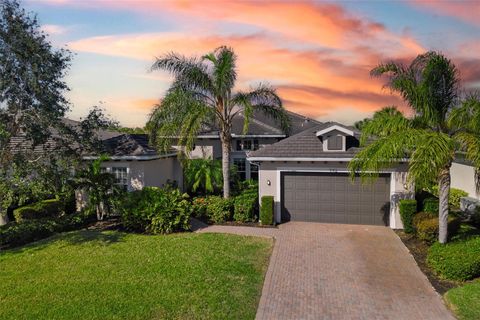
441, 125
99, 186
202, 94
203, 174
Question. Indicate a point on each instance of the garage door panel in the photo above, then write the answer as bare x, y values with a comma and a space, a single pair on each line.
325, 197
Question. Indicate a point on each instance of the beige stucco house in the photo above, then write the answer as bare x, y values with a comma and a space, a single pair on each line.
308, 177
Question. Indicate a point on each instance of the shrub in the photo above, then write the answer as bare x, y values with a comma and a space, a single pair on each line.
454, 195
199, 207
266, 210
156, 210
14, 234
421, 216
245, 206
431, 205
408, 208
458, 260
43, 209
476, 217
427, 229
219, 209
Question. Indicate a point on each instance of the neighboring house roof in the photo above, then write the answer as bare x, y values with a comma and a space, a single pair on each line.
306, 145
263, 125
131, 147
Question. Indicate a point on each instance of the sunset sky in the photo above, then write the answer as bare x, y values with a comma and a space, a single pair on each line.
318, 54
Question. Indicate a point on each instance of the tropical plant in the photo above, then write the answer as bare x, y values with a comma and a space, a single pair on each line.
203, 175
202, 95
156, 210
441, 125
99, 187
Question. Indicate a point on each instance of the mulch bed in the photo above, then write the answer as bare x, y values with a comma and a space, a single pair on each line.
107, 224
419, 250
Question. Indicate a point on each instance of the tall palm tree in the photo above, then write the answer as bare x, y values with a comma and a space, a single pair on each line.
441, 125
202, 94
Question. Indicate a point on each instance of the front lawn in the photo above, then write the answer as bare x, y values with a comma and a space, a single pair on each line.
465, 301
115, 275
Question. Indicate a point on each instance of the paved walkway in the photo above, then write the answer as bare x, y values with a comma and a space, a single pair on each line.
329, 271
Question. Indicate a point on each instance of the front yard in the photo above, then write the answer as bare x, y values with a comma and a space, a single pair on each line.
114, 275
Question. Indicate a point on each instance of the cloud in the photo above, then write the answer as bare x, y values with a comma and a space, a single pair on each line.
466, 10
319, 55
54, 29
313, 82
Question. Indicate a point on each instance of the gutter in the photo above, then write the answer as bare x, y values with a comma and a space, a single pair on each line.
130, 158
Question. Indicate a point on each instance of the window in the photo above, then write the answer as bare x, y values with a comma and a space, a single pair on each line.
240, 164
121, 177
247, 144
335, 143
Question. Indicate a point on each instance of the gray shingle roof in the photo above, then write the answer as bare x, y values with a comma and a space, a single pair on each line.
129, 145
307, 145
261, 124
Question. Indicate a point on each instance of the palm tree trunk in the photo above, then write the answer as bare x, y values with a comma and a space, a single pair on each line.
4, 218
226, 146
98, 208
444, 191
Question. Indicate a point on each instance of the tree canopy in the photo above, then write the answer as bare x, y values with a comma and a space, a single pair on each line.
444, 122
202, 96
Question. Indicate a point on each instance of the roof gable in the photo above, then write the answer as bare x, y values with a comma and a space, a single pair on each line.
335, 127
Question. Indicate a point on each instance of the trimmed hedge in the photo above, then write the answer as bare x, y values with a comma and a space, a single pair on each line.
458, 260
431, 205
266, 210
15, 234
156, 210
408, 208
427, 229
43, 209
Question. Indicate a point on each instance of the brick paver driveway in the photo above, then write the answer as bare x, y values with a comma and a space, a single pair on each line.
329, 271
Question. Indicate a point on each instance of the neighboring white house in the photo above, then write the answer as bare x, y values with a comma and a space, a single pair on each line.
462, 175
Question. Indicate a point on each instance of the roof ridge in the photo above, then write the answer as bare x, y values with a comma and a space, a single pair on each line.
303, 116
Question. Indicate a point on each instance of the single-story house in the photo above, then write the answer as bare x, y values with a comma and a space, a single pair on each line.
308, 177
306, 173
135, 164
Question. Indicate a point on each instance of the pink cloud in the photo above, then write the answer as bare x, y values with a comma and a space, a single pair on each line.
466, 10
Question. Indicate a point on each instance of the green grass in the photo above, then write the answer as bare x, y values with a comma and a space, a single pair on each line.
465, 301
114, 275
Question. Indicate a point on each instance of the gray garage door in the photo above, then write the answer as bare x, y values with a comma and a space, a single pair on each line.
327, 197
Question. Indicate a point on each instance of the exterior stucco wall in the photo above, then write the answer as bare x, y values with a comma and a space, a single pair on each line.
269, 182
153, 173
207, 148
463, 176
